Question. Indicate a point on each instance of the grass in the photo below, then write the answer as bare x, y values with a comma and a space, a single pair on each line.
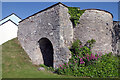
16, 63
0, 62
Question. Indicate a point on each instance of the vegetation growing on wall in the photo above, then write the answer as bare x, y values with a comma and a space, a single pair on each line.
87, 64
75, 14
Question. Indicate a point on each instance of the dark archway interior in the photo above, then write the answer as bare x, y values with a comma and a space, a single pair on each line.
47, 51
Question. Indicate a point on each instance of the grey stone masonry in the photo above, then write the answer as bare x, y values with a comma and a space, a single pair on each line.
47, 35
95, 24
116, 37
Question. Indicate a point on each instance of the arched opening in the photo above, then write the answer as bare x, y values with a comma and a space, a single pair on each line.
47, 51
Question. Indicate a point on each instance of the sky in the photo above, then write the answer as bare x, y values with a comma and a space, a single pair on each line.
25, 9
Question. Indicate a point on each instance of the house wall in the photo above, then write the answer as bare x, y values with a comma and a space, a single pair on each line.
8, 31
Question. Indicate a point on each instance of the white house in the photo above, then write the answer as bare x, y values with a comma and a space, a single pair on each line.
8, 28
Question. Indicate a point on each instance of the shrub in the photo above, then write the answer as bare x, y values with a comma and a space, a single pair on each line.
75, 14
50, 69
42, 65
107, 66
90, 43
78, 49
47, 68
84, 63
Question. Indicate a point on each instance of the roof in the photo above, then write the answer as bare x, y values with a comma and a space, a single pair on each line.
13, 17
8, 21
44, 10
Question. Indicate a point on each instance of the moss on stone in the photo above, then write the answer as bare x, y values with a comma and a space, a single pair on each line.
75, 14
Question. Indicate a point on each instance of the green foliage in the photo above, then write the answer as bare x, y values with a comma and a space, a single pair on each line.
50, 69
76, 46
42, 65
16, 64
47, 68
90, 43
75, 14
84, 63
78, 49
84, 50
107, 66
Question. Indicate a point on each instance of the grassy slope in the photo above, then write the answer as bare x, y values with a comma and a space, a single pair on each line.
0, 62
16, 64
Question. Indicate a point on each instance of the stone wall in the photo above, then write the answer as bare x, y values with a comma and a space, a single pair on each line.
52, 24
66, 26
46, 35
95, 24
116, 37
